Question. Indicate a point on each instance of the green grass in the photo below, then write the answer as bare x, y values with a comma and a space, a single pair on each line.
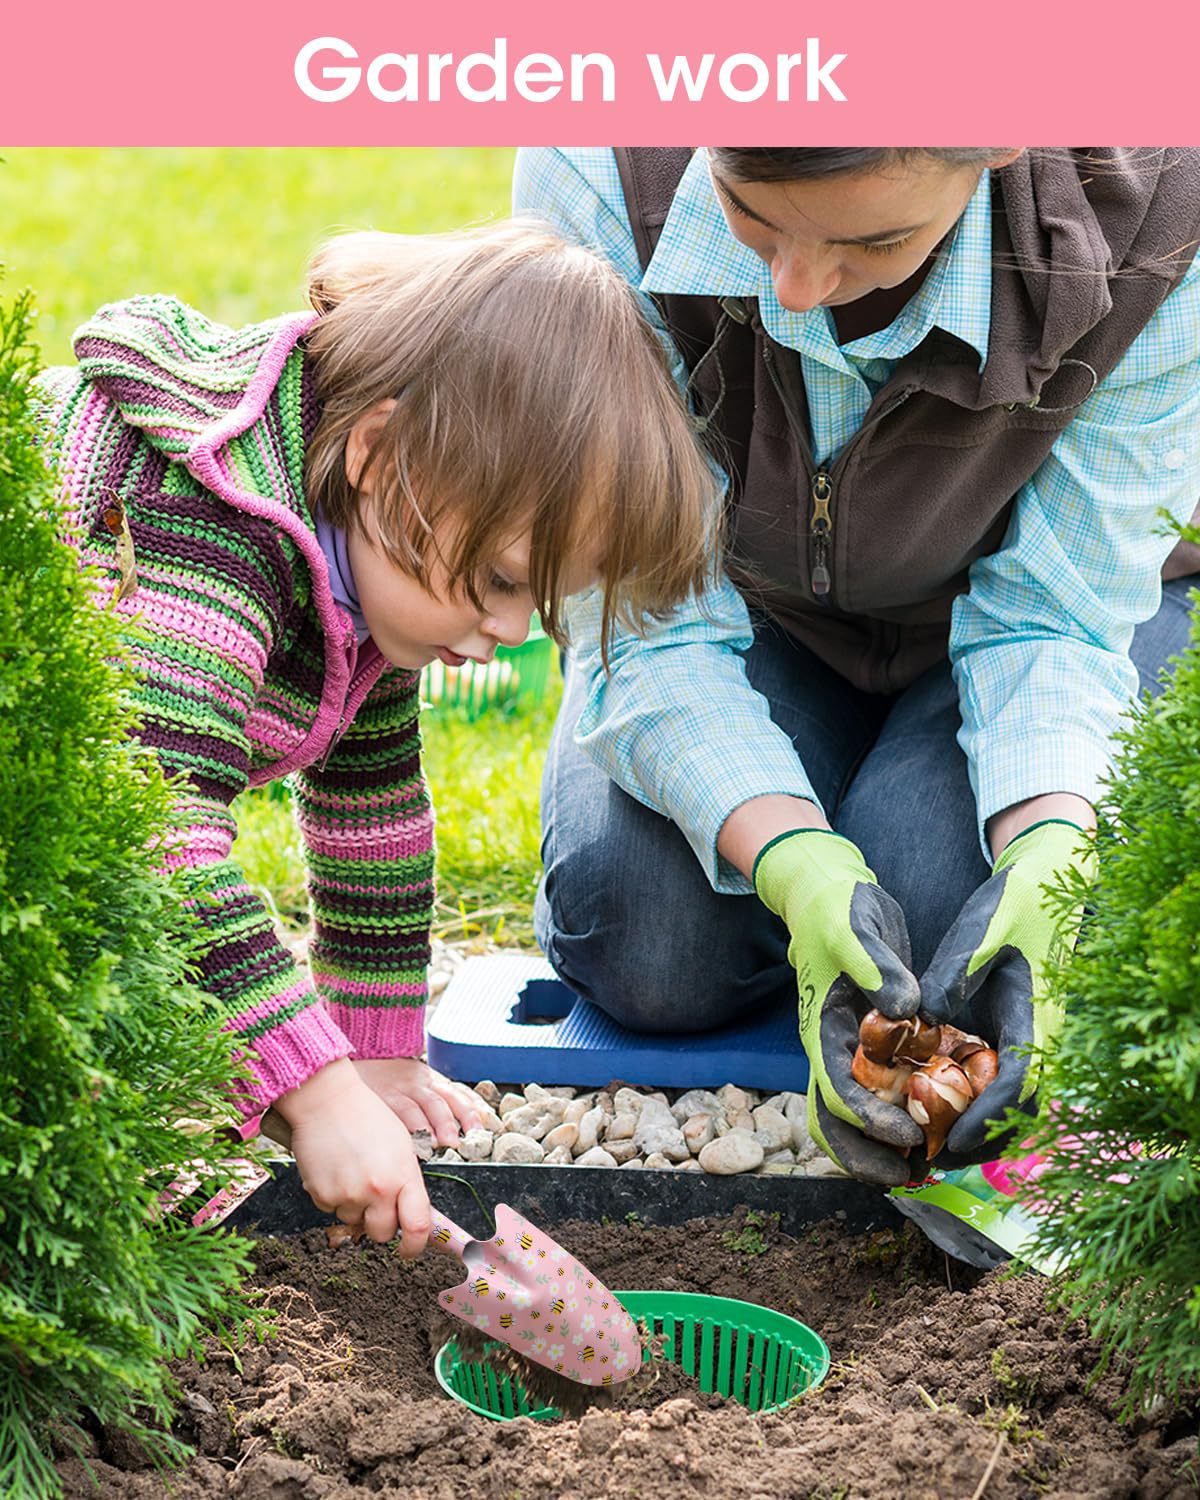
484, 778
230, 230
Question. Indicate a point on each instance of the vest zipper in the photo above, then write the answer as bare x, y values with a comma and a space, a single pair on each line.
820, 525
820, 534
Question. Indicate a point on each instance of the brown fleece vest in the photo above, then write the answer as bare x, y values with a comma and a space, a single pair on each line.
862, 559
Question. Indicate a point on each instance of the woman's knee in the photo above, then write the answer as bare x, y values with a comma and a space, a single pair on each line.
655, 959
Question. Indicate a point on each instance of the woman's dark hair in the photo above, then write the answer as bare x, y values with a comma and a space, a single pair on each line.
798, 163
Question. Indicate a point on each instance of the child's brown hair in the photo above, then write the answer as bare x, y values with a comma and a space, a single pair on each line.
530, 393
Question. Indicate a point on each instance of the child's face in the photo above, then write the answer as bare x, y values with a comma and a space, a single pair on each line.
413, 625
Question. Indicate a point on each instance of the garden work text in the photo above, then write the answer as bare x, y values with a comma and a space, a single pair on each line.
328, 69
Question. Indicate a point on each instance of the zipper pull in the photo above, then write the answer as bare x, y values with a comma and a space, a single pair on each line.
820, 532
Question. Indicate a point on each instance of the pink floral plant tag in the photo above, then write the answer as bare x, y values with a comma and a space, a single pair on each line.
525, 1290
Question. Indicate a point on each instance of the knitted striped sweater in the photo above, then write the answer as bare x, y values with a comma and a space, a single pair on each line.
246, 669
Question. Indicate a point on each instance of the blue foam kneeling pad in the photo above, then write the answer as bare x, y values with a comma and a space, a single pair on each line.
509, 1017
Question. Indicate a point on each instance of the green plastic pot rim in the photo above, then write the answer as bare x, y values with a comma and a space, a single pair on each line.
651, 1304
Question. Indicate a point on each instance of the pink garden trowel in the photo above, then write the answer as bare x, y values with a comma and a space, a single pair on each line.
526, 1291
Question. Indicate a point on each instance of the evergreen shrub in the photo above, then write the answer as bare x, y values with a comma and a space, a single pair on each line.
105, 1046
1122, 1193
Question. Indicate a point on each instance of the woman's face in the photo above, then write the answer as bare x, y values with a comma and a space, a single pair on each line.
829, 241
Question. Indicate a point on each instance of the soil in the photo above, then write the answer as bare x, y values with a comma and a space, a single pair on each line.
947, 1384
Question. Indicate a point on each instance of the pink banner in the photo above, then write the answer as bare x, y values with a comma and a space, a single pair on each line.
228, 72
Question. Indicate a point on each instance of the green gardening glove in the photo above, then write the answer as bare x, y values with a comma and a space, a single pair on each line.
988, 974
850, 949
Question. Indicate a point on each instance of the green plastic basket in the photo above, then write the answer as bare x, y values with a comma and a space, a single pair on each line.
515, 672
754, 1355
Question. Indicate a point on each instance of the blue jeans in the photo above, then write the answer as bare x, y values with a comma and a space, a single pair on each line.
625, 912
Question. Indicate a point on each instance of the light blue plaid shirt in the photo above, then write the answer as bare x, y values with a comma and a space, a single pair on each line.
1040, 641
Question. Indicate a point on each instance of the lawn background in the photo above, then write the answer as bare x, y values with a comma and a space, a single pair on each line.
230, 231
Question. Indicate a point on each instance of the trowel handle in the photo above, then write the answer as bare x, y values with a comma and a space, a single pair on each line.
445, 1234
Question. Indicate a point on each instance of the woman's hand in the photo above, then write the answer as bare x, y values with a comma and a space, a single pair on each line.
355, 1157
850, 949
988, 975
423, 1099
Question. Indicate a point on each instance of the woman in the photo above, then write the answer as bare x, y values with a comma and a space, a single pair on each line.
953, 390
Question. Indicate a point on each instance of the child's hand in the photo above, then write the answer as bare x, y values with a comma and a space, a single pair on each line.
423, 1099
355, 1157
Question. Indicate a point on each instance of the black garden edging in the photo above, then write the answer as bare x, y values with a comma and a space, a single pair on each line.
548, 1195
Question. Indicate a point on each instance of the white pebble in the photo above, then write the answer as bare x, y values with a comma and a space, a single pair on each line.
509, 1102
476, 1145
589, 1129
620, 1127
696, 1102
488, 1092
560, 1156
535, 1093
563, 1091
659, 1162
449, 1157
422, 1141
634, 1161
564, 1135
736, 1152
733, 1099
621, 1151
628, 1102
577, 1108
658, 1134
489, 1119
533, 1120
822, 1166
518, 1149
692, 1165
698, 1131
778, 1156
742, 1119
596, 1157
772, 1128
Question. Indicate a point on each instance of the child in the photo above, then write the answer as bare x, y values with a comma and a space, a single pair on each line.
295, 518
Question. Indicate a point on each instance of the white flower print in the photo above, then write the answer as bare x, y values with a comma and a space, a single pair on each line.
556, 1351
587, 1323
482, 1321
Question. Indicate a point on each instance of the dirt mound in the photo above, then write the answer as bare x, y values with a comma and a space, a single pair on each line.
941, 1376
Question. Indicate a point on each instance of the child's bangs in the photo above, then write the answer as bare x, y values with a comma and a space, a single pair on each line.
530, 396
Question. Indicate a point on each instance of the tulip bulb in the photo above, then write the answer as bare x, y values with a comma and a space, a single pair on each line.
981, 1068
889, 1082
922, 1042
936, 1069
937, 1094
880, 1036
958, 1044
